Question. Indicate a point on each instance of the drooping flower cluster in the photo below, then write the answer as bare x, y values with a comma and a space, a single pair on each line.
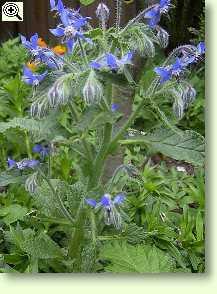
109, 206
175, 69
40, 54
23, 164
111, 62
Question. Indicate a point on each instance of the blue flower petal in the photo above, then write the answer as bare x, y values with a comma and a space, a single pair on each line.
11, 163
60, 6
126, 58
34, 41
164, 74
105, 200
91, 202
201, 48
95, 65
114, 107
31, 163
111, 61
53, 4
70, 45
64, 18
58, 32
119, 199
37, 148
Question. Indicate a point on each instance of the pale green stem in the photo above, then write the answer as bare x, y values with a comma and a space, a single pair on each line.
93, 226
28, 148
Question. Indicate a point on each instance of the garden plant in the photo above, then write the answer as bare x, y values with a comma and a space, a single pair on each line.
79, 191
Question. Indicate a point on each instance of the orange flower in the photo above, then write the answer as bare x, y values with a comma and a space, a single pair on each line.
59, 49
41, 43
32, 66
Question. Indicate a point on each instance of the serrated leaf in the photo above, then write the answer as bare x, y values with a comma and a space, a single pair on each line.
181, 145
126, 258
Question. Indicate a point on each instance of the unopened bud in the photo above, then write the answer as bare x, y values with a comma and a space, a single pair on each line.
102, 12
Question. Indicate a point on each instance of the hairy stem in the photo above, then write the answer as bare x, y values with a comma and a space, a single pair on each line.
93, 227
137, 18
76, 242
84, 55
118, 14
28, 148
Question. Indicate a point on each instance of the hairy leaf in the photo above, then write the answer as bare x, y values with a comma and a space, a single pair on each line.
126, 258
12, 213
184, 145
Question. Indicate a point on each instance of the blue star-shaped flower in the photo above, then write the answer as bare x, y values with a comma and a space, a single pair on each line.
109, 207
70, 28
31, 78
110, 61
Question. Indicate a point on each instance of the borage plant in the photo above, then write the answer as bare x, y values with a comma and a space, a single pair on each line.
83, 108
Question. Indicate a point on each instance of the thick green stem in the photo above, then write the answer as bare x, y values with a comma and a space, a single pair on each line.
76, 242
101, 156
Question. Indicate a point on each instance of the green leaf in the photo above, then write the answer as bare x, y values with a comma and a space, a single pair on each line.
41, 247
86, 2
184, 145
45, 200
126, 258
13, 213
199, 226
6, 179
44, 129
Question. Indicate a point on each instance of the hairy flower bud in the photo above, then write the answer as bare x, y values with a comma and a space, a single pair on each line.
31, 183
102, 12
61, 91
189, 95
163, 37
92, 91
178, 108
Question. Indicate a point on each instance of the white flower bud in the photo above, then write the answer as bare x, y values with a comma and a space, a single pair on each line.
102, 12
92, 91
178, 108
163, 37
189, 95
